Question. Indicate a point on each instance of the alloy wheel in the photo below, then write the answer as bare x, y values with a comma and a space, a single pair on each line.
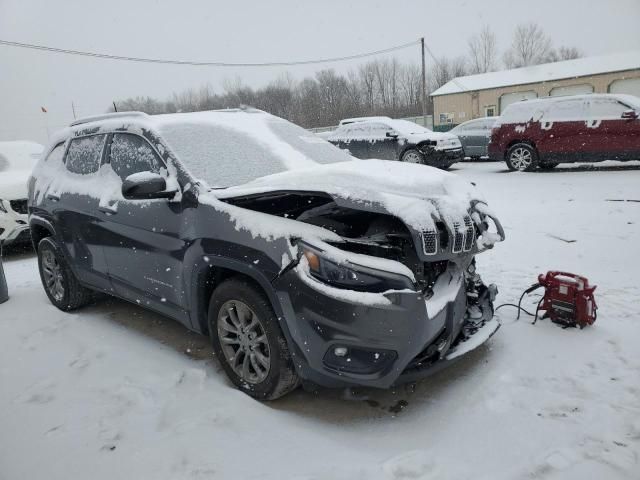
521, 158
53, 277
412, 157
243, 341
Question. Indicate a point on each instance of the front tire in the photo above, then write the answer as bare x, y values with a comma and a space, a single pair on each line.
412, 156
522, 157
248, 341
59, 282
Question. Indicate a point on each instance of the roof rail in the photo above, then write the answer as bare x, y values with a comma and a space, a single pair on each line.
107, 116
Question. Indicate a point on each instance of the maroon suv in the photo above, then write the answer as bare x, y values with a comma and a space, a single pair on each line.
581, 128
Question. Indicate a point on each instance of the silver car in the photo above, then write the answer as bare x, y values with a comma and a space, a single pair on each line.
474, 136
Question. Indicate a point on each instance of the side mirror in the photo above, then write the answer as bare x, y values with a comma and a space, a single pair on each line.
629, 115
146, 185
391, 134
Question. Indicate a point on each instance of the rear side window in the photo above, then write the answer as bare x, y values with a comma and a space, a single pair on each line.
84, 154
56, 154
132, 154
566, 110
604, 108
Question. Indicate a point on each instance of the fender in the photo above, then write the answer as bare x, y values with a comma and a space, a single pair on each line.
41, 221
200, 264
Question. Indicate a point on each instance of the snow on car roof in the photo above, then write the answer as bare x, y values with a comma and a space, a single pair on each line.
346, 121
542, 73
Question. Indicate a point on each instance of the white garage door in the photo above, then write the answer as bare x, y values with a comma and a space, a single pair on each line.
509, 98
571, 90
628, 85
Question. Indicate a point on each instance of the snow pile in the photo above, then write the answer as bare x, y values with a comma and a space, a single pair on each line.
113, 391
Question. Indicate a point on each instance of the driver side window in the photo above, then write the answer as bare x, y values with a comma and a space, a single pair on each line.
131, 154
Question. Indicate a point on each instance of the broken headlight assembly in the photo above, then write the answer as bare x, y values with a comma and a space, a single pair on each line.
343, 274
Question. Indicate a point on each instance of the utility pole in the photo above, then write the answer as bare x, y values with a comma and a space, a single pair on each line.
73, 109
424, 86
115, 109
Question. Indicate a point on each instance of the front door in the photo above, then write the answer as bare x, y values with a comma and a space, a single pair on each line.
613, 137
142, 238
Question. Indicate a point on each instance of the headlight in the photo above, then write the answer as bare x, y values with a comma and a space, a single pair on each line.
2, 207
352, 277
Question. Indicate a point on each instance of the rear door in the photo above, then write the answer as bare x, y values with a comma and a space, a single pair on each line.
612, 137
473, 138
74, 203
562, 131
142, 238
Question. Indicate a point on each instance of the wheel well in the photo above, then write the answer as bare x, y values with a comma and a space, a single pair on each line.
528, 142
38, 232
208, 281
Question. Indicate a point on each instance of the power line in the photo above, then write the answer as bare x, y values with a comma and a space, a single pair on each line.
437, 62
200, 64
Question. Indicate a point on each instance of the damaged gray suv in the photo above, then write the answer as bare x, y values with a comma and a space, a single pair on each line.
300, 262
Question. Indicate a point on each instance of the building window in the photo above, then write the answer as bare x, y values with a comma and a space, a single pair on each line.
446, 118
490, 111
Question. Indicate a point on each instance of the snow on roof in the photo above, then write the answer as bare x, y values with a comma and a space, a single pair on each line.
579, 67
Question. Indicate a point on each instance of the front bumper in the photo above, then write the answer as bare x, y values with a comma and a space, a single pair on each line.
407, 339
448, 157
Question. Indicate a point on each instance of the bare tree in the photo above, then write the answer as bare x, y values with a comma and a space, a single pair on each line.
446, 69
482, 51
563, 53
530, 46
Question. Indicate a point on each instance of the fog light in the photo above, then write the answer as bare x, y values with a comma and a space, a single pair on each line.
340, 351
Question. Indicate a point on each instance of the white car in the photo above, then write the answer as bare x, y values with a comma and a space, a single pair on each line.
17, 159
388, 139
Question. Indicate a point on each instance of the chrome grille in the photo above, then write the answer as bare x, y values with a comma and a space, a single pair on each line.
469, 233
458, 237
430, 242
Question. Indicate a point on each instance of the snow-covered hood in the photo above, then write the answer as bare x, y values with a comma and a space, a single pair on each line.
17, 159
445, 140
417, 194
13, 184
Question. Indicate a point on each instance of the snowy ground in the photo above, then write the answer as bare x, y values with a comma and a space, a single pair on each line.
113, 391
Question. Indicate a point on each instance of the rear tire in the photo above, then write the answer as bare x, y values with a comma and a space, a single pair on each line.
248, 341
59, 282
522, 157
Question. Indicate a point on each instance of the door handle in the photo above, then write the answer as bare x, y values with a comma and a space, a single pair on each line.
53, 197
108, 210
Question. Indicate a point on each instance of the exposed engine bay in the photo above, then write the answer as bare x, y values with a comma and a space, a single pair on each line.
369, 232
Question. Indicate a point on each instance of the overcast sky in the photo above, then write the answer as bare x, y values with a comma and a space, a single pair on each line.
249, 31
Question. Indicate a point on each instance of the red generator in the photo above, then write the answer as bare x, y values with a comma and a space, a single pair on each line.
568, 299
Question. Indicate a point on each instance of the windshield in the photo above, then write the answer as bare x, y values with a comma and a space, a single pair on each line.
407, 128
225, 149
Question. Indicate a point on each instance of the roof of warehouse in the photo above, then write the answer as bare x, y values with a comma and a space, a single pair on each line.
579, 67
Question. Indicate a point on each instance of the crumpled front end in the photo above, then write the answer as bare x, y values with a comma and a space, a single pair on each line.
394, 295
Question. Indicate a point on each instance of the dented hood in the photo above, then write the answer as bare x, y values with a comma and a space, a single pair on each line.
417, 194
